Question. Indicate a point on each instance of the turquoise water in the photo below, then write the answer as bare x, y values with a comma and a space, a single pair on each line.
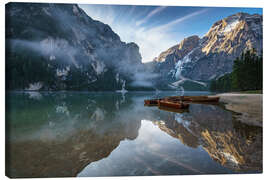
67, 134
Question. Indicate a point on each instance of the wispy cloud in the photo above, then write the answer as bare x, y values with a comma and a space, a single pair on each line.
155, 40
151, 14
179, 20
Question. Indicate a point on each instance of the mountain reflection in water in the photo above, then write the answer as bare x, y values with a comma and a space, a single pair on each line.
105, 134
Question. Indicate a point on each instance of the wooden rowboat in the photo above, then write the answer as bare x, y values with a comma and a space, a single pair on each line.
192, 98
177, 105
178, 102
207, 99
150, 102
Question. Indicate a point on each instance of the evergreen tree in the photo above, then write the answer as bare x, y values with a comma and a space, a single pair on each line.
247, 74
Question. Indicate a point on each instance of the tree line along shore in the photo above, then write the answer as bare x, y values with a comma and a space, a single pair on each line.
246, 77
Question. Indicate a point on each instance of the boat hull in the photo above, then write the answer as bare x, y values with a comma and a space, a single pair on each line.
151, 102
193, 98
175, 105
208, 99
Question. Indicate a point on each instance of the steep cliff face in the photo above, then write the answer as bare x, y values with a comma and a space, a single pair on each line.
74, 51
212, 56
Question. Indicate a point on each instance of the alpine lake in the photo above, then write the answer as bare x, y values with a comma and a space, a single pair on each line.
69, 134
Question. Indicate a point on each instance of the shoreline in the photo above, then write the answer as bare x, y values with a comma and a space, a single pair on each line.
248, 107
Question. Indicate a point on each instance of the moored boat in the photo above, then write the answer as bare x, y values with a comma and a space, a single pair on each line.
177, 105
205, 99
181, 102
193, 98
150, 102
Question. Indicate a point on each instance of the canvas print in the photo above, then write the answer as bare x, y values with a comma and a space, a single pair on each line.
123, 90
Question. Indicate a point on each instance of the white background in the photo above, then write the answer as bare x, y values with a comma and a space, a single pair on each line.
224, 3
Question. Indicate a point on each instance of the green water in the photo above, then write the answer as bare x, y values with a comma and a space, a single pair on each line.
67, 134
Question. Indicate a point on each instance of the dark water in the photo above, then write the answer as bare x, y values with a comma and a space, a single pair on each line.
67, 134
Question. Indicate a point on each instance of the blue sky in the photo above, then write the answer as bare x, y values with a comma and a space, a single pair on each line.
157, 28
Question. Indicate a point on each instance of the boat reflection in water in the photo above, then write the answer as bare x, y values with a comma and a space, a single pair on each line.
111, 134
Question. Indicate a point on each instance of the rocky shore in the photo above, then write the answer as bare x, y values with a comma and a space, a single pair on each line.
248, 107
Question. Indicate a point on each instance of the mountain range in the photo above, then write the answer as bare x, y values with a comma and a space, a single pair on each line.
59, 47
200, 60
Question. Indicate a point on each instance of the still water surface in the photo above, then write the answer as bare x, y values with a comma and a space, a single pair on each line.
63, 134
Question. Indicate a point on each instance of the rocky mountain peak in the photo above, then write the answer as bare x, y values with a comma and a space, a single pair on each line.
211, 56
181, 49
236, 30
189, 42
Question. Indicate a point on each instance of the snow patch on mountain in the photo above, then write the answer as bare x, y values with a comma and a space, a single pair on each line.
179, 65
230, 158
230, 26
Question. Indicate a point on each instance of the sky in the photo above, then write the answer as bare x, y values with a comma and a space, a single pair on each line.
157, 28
